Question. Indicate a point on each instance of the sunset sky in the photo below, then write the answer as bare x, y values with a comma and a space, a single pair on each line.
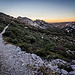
48, 10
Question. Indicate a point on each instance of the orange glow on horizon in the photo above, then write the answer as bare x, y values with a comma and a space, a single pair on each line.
56, 20
59, 20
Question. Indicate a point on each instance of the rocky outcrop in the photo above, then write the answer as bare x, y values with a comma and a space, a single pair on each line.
37, 23
70, 28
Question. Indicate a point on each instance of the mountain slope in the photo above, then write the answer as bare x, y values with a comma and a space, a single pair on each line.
13, 61
3, 20
50, 43
43, 42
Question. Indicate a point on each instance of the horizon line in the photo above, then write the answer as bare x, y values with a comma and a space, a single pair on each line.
46, 20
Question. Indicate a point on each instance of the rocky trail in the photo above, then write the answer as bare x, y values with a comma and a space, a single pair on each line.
13, 61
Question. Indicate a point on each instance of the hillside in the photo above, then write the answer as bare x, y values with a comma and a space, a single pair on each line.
37, 23
54, 42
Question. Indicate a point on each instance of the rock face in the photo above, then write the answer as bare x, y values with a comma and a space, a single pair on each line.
64, 72
70, 28
72, 73
37, 23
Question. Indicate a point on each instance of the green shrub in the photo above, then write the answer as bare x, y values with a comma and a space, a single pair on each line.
2, 25
68, 68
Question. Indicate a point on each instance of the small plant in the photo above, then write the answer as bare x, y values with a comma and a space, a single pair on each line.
61, 66
43, 71
68, 68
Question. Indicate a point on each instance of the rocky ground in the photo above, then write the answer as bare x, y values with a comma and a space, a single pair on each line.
13, 61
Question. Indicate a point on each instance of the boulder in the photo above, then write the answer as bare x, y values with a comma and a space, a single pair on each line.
72, 73
73, 67
64, 72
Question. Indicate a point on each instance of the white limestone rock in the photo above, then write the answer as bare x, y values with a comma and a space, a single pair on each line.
64, 72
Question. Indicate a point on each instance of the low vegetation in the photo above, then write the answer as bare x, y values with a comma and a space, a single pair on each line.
50, 43
43, 42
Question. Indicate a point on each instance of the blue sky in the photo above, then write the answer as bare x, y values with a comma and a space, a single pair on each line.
48, 10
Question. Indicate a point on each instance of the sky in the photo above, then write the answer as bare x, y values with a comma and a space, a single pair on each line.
48, 10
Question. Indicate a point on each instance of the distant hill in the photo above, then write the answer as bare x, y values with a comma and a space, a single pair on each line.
61, 24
